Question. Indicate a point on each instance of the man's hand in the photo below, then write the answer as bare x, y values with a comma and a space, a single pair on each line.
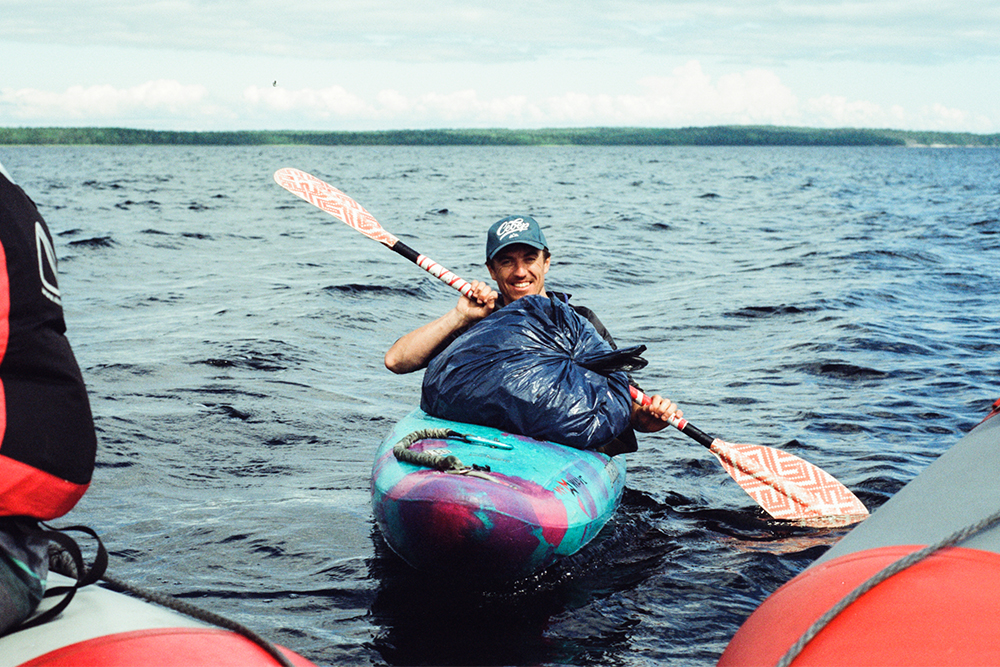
653, 417
480, 304
415, 350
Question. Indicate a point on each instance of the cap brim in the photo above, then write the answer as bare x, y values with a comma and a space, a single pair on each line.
533, 244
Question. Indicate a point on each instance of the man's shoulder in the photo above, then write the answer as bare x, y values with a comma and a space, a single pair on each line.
565, 298
587, 314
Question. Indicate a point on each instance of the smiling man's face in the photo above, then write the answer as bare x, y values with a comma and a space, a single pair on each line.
519, 270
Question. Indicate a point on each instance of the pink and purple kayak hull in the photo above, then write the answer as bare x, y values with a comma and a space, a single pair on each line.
530, 504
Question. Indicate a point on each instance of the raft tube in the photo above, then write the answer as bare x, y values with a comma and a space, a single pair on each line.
110, 629
942, 608
519, 506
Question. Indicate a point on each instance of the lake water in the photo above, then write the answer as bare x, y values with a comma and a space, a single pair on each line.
841, 303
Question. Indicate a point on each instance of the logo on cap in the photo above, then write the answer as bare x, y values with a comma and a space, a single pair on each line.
515, 226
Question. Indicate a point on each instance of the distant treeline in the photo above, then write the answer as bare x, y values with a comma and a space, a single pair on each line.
732, 135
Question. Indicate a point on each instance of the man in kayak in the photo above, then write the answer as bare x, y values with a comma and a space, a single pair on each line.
518, 258
47, 437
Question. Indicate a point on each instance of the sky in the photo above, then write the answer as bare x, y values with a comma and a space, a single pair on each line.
330, 65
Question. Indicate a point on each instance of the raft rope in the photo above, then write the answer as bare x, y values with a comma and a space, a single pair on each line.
201, 615
449, 464
66, 562
879, 577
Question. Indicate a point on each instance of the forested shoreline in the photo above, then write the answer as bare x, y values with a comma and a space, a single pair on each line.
732, 135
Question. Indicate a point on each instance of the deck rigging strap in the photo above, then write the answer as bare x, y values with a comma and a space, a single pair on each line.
876, 579
449, 464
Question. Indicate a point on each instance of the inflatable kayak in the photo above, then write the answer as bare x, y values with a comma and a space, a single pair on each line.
472, 502
111, 629
918, 583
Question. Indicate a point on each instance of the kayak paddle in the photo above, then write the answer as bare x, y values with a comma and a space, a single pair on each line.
786, 486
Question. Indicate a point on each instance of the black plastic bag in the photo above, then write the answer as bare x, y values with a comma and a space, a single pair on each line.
527, 369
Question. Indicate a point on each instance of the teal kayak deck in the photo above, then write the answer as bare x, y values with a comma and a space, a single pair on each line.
525, 504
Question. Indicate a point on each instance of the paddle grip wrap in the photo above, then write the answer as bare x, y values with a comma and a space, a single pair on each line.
433, 268
680, 424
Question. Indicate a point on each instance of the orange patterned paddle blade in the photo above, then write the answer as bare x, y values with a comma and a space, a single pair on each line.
324, 196
788, 487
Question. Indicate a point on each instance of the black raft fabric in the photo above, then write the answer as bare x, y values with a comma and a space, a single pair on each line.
527, 369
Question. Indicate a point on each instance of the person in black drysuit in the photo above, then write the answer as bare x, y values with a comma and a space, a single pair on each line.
518, 258
47, 438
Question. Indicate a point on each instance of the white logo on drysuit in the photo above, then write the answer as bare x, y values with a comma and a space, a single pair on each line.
46, 258
515, 227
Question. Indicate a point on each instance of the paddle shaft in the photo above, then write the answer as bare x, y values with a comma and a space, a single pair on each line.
679, 423
433, 268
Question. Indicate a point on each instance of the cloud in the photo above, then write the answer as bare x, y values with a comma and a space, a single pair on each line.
686, 96
391, 108
332, 102
105, 102
838, 111
356, 64
758, 33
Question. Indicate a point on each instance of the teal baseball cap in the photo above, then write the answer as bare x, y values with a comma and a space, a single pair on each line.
514, 229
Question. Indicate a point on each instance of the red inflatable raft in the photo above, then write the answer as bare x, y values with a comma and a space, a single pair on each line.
918, 583
110, 629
